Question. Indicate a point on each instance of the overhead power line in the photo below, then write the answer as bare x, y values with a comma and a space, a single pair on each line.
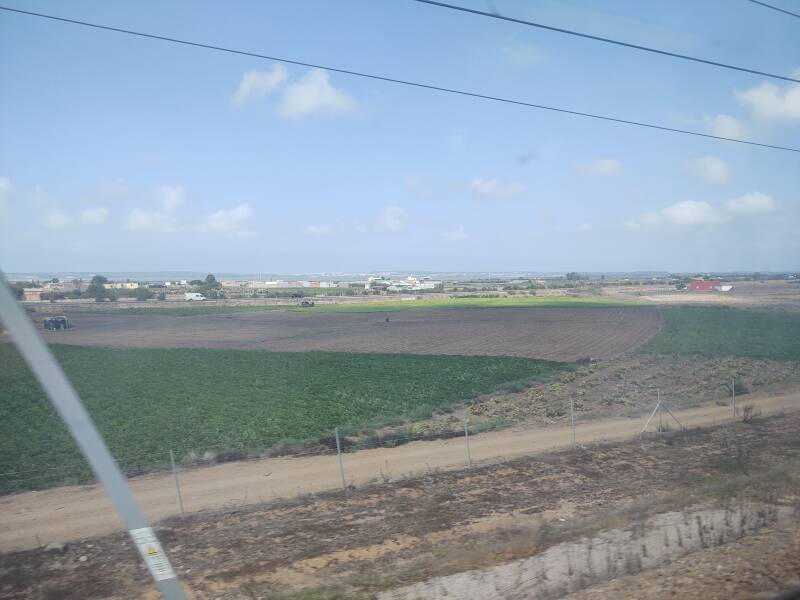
597, 38
788, 12
399, 81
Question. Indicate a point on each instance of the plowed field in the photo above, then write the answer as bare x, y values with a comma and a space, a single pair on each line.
562, 334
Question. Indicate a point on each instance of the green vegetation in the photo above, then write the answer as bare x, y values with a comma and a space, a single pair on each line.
391, 305
148, 401
477, 302
722, 331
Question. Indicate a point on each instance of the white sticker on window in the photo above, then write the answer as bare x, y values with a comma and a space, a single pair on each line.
152, 553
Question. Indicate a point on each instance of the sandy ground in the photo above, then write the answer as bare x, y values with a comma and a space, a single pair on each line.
67, 513
754, 294
388, 535
549, 333
755, 567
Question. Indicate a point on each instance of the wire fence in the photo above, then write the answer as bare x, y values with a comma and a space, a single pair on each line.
175, 458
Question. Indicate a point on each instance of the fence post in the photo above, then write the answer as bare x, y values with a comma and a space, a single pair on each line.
733, 395
339, 454
177, 481
572, 417
466, 437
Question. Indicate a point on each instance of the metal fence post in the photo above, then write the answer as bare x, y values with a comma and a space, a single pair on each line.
572, 417
466, 437
177, 481
733, 395
339, 453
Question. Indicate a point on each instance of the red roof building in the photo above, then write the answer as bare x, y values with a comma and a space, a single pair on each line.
704, 285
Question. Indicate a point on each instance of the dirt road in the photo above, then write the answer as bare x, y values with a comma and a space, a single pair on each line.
75, 512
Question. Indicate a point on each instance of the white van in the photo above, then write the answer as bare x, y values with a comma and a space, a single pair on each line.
193, 296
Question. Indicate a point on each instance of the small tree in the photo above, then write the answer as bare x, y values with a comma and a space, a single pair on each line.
142, 293
162, 296
18, 290
99, 280
211, 282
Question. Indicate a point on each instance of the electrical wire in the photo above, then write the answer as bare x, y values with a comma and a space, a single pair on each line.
788, 12
403, 81
598, 38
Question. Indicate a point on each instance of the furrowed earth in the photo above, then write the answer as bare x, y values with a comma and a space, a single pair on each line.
562, 334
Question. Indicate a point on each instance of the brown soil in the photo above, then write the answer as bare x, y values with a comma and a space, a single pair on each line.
626, 386
755, 567
549, 333
386, 535
774, 294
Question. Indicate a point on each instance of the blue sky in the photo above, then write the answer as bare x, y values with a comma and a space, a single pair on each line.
120, 154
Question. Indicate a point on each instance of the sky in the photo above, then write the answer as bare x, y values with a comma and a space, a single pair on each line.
126, 154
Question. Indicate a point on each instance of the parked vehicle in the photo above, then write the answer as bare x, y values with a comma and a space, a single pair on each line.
55, 323
190, 296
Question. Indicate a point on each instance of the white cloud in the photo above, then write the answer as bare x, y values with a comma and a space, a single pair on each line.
751, 204
5, 184
317, 230
393, 218
313, 93
162, 219
584, 227
725, 126
690, 213
769, 101
492, 188
455, 235
231, 221
602, 166
93, 216
523, 55
57, 219
710, 168
257, 84
693, 213
169, 197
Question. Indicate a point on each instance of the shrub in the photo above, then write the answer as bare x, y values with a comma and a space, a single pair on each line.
749, 413
142, 293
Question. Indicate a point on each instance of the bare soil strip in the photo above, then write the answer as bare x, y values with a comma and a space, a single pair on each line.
80, 511
563, 334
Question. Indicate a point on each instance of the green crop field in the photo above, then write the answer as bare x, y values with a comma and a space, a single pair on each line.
148, 401
387, 305
476, 302
721, 331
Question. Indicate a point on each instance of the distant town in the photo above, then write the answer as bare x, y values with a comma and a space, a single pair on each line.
100, 288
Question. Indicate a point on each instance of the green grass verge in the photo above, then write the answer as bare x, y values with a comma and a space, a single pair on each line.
721, 331
473, 302
148, 401
383, 306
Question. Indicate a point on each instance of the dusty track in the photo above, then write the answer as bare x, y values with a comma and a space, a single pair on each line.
549, 333
81, 511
